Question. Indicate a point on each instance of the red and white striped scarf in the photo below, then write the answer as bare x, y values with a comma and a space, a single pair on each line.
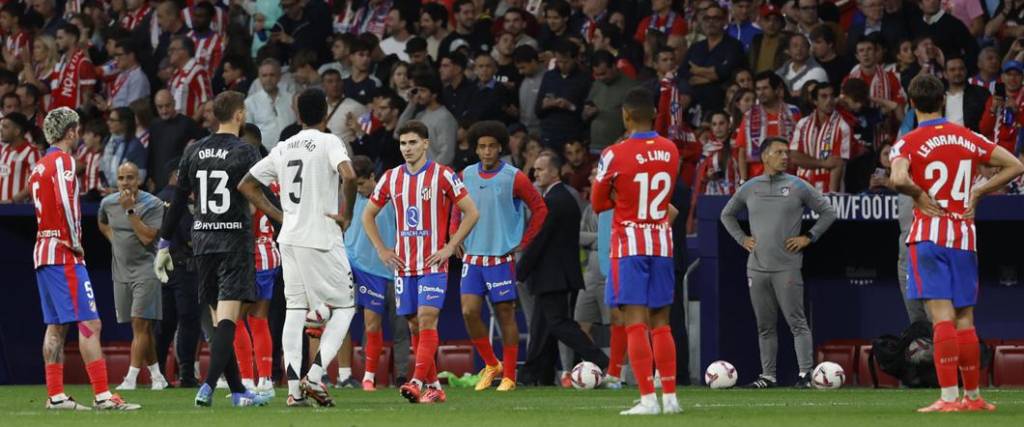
821, 137
879, 87
757, 127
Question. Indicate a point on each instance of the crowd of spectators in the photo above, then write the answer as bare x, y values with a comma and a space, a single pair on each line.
828, 77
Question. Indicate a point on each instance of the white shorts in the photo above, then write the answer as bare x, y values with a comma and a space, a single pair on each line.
313, 276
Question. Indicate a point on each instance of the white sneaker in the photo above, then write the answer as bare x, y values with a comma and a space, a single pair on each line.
159, 383
126, 385
67, 404
642, 408
670, 405
265, 388
115, 403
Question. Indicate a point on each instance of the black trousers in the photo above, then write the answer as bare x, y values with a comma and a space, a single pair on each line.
552, 322
181, 314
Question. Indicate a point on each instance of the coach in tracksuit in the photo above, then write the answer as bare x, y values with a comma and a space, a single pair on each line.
775, 203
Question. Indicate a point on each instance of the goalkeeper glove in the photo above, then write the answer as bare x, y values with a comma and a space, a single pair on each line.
163, 263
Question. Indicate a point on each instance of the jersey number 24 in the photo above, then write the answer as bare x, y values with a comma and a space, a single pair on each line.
961, 182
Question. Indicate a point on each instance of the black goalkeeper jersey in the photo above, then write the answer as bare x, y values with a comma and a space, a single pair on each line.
209, 172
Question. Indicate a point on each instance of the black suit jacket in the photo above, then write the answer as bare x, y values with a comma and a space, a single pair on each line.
552, 261
975, 98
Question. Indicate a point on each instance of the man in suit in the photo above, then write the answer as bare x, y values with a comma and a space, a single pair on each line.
891, 27
552, 272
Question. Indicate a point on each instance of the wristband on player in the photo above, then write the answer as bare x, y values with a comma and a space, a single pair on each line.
163, 244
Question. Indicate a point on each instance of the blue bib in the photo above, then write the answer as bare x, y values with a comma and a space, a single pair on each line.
501, 223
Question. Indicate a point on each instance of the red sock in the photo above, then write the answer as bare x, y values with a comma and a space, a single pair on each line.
374, 342
664, 346
243, 351
262, 346
97, 371
618, 350
425, 354
946, 353
970, 357
483, 347
54, 379
640, 357
510, 359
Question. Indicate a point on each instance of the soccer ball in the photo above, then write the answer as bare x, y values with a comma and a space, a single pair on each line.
919, 350
586, 376
720, 374
828, 376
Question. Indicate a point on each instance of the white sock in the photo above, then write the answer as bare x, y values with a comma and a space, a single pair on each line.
248, 383
973, 394
416, 382
344, 374
649, 399
369, 376
58, 397
435, 384
669, 399
330, 341
103, 396
196, 370
154, 372
265, 383
950, 394
291, 346
132, 375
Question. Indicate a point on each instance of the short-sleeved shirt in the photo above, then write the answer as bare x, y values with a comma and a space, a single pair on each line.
132, 261
422, 202
211, 170
306, 167
944, 160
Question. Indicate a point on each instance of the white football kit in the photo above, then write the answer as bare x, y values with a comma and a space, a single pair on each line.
316, 268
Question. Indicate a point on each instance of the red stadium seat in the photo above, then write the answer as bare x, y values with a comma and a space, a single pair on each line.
864, 371
383, 366
457, 359
1008, 366
843, 354
117, 354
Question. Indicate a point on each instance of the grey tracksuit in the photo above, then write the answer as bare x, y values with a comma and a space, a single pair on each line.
915, 307
775, 206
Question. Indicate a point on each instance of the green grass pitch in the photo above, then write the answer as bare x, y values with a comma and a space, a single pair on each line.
526, 407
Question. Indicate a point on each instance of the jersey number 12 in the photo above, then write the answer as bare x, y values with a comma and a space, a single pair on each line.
650, 208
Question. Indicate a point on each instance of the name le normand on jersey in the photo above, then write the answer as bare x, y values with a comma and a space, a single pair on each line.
938, 141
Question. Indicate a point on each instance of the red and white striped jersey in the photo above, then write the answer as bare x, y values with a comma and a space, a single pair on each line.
423, 202
209, 48
267, 254
980, 81
132, 19
71, 74
90, 161
944, 160
16, 163
642, 171
191, 87
58, 213
821, 140
17, 43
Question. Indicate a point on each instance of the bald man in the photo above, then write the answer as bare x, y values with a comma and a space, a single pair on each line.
168, 136
130, 220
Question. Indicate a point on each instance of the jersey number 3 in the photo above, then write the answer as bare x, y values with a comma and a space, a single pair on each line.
961, 182
296, 195
218, 202
650, 208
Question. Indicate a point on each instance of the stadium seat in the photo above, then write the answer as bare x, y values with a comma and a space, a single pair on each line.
1008, 366
117, 354
457, 359
383, 366
864, 371
843, 354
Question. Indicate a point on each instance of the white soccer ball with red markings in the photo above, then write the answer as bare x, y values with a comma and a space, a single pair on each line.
720, 374
586, 376
828, 376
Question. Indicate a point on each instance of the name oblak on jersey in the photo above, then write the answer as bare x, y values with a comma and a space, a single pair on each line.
219, 153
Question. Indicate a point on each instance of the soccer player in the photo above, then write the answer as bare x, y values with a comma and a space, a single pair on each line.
422, 192
309, 167
268, 265
500, 190
636, 178
944, 158
222, 240
64, 287
371, 275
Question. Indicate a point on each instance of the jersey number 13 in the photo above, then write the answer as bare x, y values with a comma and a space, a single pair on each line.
217, 201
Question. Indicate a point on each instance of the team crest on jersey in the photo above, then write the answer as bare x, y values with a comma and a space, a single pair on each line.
412, 217
784, 191
69, 175
5, 170
425, 193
